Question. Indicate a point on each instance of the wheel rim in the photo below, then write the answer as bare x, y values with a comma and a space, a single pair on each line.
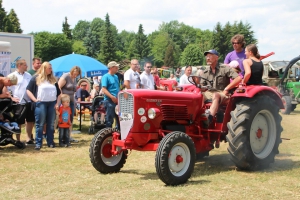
263, 134
179, 159
106, 156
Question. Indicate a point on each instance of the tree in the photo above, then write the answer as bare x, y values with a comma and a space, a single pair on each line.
141, 44
80, 30
66, 29
51, 45
12, 24
2, 16
159, 43
222, 36
108, 43
192, 55
78, 47
169, 57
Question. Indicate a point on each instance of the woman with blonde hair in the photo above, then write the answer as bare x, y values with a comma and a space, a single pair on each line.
68, 85
43, 90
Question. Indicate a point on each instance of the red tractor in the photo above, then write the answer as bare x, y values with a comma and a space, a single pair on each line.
174, 125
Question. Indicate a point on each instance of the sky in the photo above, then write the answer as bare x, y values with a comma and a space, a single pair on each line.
276, 23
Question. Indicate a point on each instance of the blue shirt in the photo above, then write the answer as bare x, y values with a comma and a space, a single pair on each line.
111, 83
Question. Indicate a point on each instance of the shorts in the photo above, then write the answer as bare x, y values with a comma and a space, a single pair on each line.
209, 95
21, 115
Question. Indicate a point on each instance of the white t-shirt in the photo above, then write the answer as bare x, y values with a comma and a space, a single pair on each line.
133, 78
184, 80
19, 90
46, 92
147, 81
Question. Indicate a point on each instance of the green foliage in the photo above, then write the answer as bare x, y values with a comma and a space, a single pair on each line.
51, 45
141, 44
66, 29
80, 30
78, 47
169, 57
192, 55
92, 40
126, 43
108, 43
2, 16
159, 43
222, 36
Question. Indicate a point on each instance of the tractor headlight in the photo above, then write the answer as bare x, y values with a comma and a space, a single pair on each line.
153, 112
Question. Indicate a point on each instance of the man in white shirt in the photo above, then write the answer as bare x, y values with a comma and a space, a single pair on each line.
23, 101
131, 77
147, 79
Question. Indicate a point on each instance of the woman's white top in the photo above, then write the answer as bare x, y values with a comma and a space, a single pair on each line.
46, 92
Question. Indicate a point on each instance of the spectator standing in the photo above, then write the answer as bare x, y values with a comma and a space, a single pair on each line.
156, 77
131, 76
254, 67
23, 101
185, 76
121, 80
44, 91
64, 121
110, 87
238, 53
147, 79
36, 64
67, 84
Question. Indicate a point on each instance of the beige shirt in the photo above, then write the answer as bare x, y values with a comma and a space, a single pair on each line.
220, 79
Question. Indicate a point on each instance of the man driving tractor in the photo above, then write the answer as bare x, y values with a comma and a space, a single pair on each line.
218, 77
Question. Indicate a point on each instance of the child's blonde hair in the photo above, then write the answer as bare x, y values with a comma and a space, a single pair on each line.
65, 97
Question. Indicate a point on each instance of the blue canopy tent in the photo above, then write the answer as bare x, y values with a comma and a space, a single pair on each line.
89, 66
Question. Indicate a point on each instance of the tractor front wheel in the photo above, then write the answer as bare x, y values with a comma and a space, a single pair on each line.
254, 133
100, 153
287, 102
175, 158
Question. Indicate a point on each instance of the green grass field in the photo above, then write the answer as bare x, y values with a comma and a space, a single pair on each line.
66, 173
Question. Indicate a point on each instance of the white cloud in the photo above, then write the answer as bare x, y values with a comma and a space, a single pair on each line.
275, 22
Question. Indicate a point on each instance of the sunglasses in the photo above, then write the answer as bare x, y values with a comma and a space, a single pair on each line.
235, 43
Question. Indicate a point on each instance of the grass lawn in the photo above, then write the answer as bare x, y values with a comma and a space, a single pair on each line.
66, 173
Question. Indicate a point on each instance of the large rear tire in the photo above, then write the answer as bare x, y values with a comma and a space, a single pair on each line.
175, 158
287, 102
254, 133
100, 153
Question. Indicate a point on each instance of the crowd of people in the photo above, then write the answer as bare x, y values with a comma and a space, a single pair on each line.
40, 96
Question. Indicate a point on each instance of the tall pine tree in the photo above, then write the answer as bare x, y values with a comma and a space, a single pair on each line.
12, 23
66, 29
108, 43
142, 48
2, 16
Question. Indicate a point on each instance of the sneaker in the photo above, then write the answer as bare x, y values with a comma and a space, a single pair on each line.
29, 142
37, 148
68, 145
51, 146
73, 140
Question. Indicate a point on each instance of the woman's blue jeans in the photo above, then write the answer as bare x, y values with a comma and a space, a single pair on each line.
44, 113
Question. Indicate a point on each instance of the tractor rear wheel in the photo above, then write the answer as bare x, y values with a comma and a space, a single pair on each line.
175, 158
100, 153
287, 102
254, 133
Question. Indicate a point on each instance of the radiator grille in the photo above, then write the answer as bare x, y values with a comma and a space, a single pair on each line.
126, 104
174, 112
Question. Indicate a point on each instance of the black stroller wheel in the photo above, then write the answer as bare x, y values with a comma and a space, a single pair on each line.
20, 145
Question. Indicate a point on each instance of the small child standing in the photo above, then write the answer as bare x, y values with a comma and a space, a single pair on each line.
64, 121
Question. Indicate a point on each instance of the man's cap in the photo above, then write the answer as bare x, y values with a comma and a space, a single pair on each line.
13, 79
112, 64
234, 64
212, 51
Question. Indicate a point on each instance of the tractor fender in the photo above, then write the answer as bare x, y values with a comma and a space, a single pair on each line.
252, 90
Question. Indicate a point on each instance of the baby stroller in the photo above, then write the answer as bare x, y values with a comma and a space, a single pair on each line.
97, 109
6, 135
